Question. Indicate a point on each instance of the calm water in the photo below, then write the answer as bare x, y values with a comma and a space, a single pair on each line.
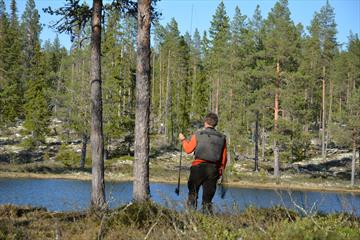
68, 195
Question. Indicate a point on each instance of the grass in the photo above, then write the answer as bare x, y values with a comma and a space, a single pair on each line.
151, 221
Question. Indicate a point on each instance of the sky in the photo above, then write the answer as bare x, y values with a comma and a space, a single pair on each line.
191, 14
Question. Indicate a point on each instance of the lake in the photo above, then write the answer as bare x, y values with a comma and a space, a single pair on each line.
74, 195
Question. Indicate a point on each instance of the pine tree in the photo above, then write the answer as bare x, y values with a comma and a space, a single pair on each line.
280, 45
141, 190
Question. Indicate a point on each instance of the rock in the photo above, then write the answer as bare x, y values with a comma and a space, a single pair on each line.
42, 147
53, 140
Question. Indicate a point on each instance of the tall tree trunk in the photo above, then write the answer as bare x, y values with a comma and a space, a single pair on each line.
141, 191
217, 95
263, 144
256, 158
330, 102
213, 95
83, 150
153, 81
160, 89
96, 137
228, 152
276, 118
323, 150
168, 98
328, 136
348, 89
340, 105
353, 158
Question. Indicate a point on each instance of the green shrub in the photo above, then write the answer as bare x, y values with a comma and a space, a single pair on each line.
68, 157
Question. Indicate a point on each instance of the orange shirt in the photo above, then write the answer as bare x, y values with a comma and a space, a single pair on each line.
189, 147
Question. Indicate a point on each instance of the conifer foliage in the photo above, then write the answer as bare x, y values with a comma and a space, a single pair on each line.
295, 79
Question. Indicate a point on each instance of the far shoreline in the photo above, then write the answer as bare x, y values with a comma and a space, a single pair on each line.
238, 184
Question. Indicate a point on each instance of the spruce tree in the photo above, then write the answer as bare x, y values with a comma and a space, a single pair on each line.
37, 109
199, 85
217, 67
12, 93
31, 29
3, 71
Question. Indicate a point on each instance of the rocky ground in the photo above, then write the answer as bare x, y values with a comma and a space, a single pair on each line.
59, 158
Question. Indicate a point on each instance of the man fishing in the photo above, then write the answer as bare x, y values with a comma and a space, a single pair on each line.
209, 147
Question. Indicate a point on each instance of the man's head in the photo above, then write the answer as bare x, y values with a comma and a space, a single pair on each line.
211, 119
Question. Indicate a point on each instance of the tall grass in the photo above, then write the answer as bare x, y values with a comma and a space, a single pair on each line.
151, 221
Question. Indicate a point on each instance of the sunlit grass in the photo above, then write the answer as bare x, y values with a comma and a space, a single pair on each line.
151, 221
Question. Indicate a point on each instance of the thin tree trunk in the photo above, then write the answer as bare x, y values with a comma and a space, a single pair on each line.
353, 159
83, 150
160, 89
217, 95
228, 152
153, 82
330, 102
168, 98
340, 105
348, 89
97, 138
231, 102
263, 144
257, 143
213, 95
193, 92
141, 191
323, 150
276, 117
328, 136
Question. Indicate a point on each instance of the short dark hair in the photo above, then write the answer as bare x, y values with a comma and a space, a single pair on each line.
211, 119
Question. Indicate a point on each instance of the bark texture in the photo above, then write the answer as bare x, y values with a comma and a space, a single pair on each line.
96, 137
323, 147
83, 150
256, 158
276, 118
141, 190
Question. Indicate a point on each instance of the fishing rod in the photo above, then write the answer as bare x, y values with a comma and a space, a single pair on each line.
177, 190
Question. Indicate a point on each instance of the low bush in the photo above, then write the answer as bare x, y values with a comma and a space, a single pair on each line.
151, 221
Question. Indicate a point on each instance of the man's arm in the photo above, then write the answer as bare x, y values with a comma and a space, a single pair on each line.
188, 145
223, 160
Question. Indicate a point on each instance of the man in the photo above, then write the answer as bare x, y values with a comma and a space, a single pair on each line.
209, 147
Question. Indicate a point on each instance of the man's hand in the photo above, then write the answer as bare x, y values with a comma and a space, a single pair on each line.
220, 171
181, 137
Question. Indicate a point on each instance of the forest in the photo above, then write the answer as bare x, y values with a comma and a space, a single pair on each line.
296, 80
114, 103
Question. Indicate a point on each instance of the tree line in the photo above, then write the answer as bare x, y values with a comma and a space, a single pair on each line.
298, 83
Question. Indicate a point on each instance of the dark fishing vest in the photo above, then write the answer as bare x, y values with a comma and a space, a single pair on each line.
209, 145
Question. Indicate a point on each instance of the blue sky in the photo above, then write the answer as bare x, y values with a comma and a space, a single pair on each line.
191, 14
